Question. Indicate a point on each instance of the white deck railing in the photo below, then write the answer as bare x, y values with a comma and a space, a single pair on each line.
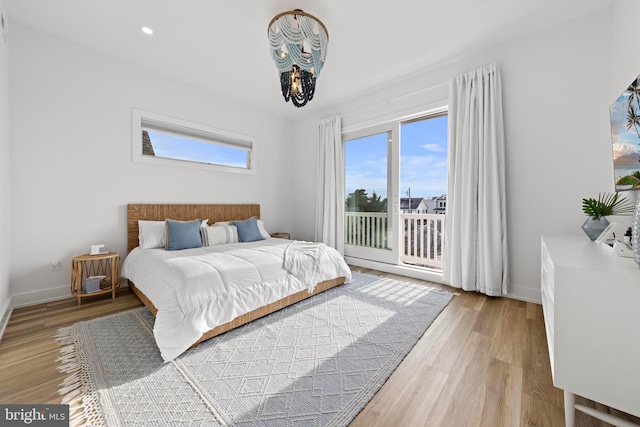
422, 235
367, 229
423, 239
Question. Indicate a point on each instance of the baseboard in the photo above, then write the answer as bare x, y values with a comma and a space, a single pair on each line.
526, 294
521, 294
5, 314
42, 296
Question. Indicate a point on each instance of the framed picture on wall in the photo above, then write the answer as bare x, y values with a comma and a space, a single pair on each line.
625, 137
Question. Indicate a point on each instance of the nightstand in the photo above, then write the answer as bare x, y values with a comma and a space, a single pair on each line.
281, 235
89, 266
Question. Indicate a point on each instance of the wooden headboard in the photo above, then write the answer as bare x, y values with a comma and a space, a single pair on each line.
214, 213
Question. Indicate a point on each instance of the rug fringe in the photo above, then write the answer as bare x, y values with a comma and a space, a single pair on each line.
66, 335
74, 391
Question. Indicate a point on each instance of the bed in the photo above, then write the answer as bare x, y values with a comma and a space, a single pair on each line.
195, 295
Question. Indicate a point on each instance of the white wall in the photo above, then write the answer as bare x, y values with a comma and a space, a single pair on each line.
72, 174
5, 190
556, 95
625, 60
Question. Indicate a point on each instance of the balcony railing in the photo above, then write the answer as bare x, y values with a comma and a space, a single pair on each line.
423, 239
367, 229
422, 235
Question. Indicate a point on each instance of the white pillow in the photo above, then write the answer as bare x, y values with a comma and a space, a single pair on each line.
203, 232
151, 234
262, 229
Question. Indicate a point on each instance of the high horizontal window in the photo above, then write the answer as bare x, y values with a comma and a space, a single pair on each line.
166, 140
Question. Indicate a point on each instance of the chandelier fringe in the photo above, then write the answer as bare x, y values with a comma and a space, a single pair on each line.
291, 34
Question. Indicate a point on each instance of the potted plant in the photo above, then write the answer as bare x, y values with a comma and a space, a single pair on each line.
598, 209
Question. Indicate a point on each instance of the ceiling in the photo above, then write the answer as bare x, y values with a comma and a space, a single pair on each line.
222, 46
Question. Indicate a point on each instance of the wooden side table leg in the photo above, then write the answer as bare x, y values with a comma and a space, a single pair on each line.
73, 278
114, 273
569, 409
76, 280
79, 281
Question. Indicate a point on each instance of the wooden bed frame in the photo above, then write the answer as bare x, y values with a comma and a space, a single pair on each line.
214, 213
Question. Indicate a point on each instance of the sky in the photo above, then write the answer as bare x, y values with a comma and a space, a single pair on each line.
423, 160
624, 142
175, 147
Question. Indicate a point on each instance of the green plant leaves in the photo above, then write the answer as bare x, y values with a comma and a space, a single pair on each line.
607, 204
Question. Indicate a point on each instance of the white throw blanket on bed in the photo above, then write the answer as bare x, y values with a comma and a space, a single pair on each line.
311, 262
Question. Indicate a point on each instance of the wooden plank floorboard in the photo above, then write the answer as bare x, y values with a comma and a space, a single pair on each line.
503, 394
460, 402
446, 351
424, 388
483, 362
510, 339
537, 379
489, 318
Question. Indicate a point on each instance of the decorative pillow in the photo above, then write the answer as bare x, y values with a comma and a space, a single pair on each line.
203, 232
219, 235
263, 231
261, 227
230, 230
183, 234
248, 230
151, 234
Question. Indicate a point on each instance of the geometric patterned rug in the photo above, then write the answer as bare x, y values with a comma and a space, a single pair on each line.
316, 363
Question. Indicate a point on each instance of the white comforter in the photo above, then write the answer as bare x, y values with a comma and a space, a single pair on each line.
198, 289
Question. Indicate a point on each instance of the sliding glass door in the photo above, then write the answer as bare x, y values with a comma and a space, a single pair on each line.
371, 171
380, 223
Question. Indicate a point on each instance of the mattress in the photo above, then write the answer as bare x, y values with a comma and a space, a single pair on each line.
197, 289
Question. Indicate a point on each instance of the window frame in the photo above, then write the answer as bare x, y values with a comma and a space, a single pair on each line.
146, 120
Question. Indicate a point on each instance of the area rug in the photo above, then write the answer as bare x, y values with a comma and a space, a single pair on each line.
316, 363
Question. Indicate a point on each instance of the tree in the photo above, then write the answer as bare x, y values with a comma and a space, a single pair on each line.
633, 107
359, 201
377, 205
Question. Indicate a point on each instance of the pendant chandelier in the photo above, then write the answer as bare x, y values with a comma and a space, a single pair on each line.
299, 48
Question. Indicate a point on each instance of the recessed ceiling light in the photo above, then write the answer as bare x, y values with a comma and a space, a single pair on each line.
147, 30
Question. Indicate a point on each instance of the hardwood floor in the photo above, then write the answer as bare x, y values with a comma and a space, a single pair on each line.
483, 362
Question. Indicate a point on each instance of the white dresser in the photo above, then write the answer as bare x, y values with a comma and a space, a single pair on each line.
591, 302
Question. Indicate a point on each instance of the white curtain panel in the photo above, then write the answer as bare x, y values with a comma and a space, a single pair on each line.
330, 190
475, 254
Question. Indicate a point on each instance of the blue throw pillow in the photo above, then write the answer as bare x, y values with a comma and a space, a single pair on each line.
248, 230
183, 234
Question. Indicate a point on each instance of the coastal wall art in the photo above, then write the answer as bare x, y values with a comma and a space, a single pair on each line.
625, 138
